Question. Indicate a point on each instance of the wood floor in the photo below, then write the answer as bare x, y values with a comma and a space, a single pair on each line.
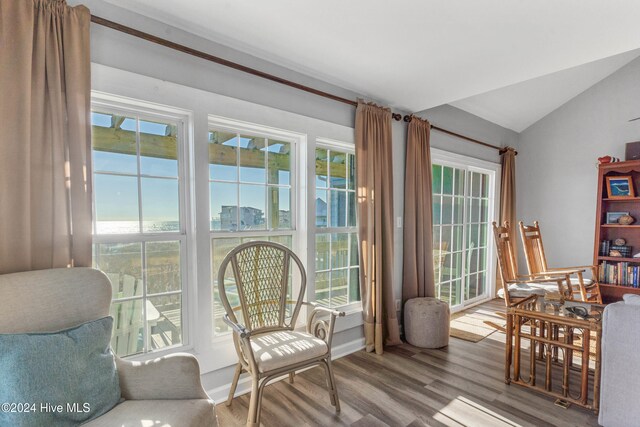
462, 384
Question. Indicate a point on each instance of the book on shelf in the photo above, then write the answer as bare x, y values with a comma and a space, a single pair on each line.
604, 247
619, 273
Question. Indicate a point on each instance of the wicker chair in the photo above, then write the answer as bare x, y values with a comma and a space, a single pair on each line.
265, 340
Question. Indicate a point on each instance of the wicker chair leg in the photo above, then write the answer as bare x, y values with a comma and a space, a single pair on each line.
253, 417
260, 394
291, 376
234, 384
328, 381
333, 389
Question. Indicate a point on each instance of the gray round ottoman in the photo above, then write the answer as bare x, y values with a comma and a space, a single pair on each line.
426, 322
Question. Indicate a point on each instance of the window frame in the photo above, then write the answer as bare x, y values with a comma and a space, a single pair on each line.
143, 110
298, 184
331, 144
472, 164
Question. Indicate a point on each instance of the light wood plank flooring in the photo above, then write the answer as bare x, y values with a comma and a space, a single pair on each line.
460, 385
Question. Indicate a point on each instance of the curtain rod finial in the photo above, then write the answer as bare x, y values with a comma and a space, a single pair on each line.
507, 148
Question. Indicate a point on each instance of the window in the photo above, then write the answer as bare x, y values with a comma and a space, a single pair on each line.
336, 250
463, 209
139, 232
252, 194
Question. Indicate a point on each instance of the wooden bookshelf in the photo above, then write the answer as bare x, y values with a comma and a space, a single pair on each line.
618, 259
631, 233
621, 200
614, 293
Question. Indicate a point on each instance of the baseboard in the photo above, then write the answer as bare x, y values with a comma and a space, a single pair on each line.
347, 348
219, 394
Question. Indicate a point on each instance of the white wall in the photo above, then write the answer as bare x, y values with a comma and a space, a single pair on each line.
556, 169
456, 120
119, 50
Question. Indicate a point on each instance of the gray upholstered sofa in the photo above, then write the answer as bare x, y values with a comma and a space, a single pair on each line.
166, 391
620, 386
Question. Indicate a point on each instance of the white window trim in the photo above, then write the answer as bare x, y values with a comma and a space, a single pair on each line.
439, 155
446, 158
356, 306
298, 180
184, 118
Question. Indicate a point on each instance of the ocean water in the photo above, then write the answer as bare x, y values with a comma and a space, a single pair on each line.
132, 227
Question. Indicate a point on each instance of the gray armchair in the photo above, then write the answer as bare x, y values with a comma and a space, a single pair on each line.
166, 390
620, 376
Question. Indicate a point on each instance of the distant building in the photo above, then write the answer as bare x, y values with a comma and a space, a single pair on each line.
249, 218
321, 213
284, 219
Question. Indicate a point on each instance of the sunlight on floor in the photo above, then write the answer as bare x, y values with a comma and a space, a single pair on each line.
471, 413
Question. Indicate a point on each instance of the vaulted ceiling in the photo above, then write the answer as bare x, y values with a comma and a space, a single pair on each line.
518, 106
417, 54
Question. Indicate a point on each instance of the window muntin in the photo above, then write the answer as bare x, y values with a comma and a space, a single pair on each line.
139, 235
336, 240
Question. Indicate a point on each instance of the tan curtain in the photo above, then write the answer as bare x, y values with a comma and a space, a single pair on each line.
508, 198
375, 225
417, 280
45, 192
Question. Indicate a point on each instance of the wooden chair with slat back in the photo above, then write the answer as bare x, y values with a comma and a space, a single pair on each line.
588, 290
506, 259
263, 320
516, 288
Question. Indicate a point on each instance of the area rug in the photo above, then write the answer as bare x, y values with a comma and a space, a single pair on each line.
469, 325
577, 341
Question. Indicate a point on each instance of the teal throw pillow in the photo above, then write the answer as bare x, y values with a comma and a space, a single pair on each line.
57, 379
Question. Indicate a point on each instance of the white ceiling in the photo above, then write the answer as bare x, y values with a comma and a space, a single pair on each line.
518, 106
417, 54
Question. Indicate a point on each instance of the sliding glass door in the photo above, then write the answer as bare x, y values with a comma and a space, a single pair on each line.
463, 209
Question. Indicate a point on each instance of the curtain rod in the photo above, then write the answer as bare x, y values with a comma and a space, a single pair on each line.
203, 55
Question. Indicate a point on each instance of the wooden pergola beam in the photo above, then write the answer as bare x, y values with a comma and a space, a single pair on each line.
115, 140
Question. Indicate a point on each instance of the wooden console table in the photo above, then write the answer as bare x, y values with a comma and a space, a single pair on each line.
552, 333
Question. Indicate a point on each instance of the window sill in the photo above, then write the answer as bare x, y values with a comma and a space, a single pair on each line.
352, 319
144, 357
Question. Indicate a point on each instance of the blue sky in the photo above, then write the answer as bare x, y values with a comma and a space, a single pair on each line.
116, 189
117, 196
